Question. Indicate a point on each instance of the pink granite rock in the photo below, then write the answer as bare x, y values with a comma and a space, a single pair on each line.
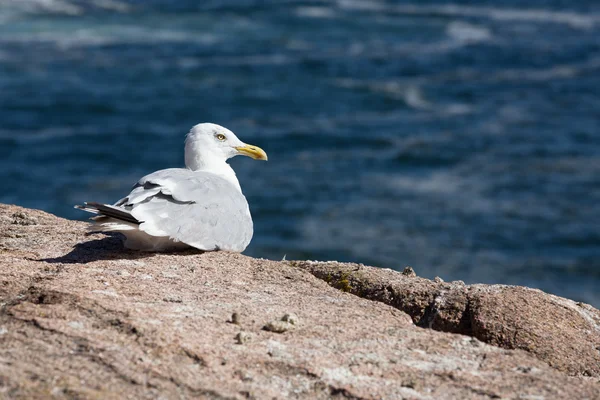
561, 332
82, 318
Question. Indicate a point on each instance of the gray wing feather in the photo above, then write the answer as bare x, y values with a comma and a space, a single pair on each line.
199, 209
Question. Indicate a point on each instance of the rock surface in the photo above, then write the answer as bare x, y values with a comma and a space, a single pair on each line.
82, 318
561, 332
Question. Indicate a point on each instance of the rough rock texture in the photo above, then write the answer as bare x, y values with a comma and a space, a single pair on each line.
82, 318
559, 331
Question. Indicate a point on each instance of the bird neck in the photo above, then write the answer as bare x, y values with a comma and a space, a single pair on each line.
214, 165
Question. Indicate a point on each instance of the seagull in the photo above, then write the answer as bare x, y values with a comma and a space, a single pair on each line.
200, 206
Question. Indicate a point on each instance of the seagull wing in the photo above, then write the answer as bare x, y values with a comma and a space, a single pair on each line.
197, 208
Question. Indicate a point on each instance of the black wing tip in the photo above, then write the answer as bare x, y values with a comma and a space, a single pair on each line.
105, 210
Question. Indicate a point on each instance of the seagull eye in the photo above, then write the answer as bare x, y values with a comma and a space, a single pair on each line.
220, 137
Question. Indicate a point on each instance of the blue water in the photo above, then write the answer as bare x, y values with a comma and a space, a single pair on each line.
460, 139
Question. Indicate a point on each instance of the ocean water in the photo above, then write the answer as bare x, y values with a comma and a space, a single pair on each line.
461, 138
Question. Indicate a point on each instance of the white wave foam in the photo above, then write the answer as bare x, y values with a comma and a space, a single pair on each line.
561, 71
112, 5
65, 7
540, 15
558, 71
575, 20
258, 59
315, 12
48, 6
116, 35
412, 95
468, 33
371, 5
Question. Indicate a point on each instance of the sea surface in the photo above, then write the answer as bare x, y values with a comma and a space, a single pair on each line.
461, 138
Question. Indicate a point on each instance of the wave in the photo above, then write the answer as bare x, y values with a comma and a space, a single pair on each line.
315, 12
85, 37
408, 88
63, 7
558, 71
570, 18
468, 33
412, 95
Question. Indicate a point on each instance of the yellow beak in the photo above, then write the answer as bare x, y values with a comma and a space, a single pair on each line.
252, 151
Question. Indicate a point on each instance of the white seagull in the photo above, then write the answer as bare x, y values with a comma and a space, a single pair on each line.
199, 206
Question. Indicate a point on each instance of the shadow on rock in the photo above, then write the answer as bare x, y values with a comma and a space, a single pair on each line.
107, 248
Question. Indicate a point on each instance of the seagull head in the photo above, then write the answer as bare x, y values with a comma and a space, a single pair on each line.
207, 144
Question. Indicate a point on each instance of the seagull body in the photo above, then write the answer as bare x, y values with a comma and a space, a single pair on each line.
200, 206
